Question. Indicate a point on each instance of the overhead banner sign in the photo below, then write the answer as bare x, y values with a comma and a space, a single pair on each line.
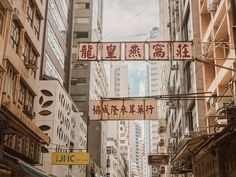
123, 109
160, 159
73, 158
135, 51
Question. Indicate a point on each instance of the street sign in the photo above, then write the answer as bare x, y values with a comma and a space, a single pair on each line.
73, 158
135, 51
123, 109
158, 159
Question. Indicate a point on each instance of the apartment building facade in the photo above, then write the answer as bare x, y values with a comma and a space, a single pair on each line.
198, 130
184, 118
88, 79
21, 34
57, 55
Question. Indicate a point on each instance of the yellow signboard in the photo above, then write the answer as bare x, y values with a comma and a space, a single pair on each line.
73, 158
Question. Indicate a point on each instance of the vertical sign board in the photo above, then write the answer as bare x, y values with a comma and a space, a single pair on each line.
123, 109
73, 158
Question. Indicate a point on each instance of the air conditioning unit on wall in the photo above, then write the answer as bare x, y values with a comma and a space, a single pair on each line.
212, 5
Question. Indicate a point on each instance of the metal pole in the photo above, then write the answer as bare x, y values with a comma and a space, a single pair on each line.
87, 167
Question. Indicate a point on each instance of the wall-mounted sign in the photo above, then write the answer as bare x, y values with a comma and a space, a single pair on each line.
73, 158
158, 159
135, 51
123, 109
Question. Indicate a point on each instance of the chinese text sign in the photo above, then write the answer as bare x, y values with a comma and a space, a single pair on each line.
123, 110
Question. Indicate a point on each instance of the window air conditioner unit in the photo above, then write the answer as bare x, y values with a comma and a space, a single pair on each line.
212, 5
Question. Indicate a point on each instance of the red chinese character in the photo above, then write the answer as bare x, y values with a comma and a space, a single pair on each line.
123, 110
140, 109
114, 110
86, 51
134, 51
105, 109
159, 53
111, 51
97, 110
149, 108
131, 109
182, 51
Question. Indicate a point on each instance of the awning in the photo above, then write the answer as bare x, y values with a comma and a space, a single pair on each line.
189, 147
31, 170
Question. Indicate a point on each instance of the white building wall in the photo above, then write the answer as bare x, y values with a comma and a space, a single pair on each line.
56, 110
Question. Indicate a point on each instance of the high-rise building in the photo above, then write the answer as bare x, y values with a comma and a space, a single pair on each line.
56, 63
21, 41
136, 137
88, 79
184, 118
119, 130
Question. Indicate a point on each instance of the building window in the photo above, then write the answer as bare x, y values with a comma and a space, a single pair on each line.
37, 25
30, 12
81, 34
79, 97
11, 82
58, 20
26, 99
55, 45
81, 20
30, 57
26, 51
15, 36
79, 81
188, 76
1, 19
22, 94
191, 118
82, 5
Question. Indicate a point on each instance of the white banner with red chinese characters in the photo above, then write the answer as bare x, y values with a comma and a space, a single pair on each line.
135, 51
123, 109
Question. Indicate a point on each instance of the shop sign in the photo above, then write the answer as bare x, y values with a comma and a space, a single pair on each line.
158, 159
135, 51
74, 158
123, 109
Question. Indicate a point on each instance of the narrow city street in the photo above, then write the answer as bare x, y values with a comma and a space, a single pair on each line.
117, 88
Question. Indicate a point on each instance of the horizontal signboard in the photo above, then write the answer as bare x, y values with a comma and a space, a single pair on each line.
123, 109
131, 51
73, 158
159, 159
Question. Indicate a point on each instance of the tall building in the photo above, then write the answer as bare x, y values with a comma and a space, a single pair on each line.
88, 79
136, 137
185, 119
119, 130
21, 41
58, 42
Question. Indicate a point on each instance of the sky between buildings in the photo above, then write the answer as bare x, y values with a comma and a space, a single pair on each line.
131, 20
